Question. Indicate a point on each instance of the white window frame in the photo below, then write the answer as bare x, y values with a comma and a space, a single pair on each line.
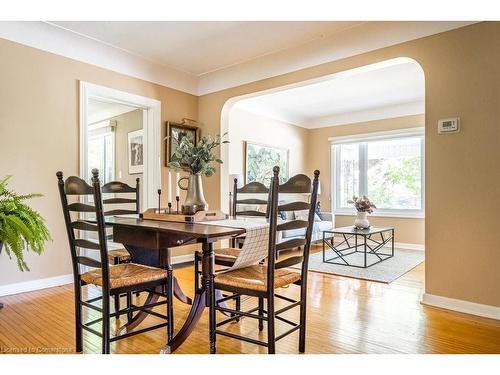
363, 139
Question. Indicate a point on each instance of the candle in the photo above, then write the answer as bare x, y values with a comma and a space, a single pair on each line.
177, 190
169, 187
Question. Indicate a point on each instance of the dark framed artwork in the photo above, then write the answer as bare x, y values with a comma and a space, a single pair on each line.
135, 152
260, 160
177, 131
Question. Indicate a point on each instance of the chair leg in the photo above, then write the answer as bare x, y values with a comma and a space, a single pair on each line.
170, 303
212, 317
303, 310
116, 261
237, 306
261, 313
129, 305
271, 337
105, 323
78, 318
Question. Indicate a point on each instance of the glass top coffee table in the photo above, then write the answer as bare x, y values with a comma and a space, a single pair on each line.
360, 248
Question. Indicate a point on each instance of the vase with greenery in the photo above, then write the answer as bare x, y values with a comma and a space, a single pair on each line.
21, 227
200, 160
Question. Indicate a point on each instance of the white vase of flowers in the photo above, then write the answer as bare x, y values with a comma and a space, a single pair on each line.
363, 207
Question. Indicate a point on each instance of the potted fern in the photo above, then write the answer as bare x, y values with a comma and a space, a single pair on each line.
21, 227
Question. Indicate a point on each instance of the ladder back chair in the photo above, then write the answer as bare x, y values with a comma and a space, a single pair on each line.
113, 280
262, 280
121, 255
118, 254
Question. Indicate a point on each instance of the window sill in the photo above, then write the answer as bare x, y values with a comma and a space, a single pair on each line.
395, 215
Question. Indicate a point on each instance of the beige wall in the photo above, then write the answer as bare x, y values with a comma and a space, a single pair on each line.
462, 79
39, 124
406, 230
39, 135
125, 123
246, 126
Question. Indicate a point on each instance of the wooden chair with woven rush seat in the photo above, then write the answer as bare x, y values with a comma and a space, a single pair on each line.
262, 280
117, 253
113, 280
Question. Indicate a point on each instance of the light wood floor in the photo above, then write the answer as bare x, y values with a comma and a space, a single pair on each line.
344, 316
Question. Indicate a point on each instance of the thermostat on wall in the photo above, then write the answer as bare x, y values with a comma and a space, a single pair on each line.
449, 125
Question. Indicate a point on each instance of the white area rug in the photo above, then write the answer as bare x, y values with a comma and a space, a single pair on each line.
387, 271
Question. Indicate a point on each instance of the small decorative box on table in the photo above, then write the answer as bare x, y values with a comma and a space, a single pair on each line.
370, 245
200, 216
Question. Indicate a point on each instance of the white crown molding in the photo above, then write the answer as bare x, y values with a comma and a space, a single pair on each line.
62, 42
467, 307
363, 38
360, 39
372, 114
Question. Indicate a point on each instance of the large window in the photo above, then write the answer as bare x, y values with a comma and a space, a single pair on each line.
386, 167
101, 153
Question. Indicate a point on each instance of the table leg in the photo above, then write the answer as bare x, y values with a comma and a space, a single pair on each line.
200, 302
141, 315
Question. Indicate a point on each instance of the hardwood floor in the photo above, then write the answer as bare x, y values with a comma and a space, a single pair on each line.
344, 316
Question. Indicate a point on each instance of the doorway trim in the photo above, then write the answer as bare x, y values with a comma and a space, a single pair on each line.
152, 133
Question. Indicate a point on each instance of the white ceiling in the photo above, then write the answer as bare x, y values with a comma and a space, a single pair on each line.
98, 110
391, 89
200, 47
204, 57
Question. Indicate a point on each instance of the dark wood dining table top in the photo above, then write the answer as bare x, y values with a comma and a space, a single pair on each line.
199, 231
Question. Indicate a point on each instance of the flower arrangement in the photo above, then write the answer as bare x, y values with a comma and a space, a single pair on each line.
362, 204
199, 158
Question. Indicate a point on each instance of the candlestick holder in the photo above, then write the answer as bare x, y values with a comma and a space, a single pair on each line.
169, 207
159, 201
177, 198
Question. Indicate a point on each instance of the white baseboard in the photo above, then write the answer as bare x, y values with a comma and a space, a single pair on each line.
182, 258
486, 311
29, 286
407, 246
50, 282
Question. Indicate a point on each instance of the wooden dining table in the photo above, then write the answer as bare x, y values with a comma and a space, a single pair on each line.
150, 242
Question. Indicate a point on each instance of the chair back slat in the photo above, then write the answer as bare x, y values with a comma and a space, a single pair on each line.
118, 200
290, 244
294, 206
81, 207
118, 187
119, 211
76, 186
250, 188
298, 184
291, 225
86, 261
86, 244
84, 225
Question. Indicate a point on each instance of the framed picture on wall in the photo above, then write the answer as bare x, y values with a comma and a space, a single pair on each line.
260, 160
175, 133
135, 152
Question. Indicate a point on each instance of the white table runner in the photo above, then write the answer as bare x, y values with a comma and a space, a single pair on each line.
256, 245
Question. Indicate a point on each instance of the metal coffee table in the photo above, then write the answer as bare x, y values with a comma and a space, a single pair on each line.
371, 242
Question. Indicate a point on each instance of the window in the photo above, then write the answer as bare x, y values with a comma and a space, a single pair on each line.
101, 152
386, 167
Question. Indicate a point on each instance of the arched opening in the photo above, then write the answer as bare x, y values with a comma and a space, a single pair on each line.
385, 100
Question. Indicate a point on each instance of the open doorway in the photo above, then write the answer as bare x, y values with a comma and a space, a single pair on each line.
120, 135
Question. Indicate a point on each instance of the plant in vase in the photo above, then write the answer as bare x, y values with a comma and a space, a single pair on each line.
21, 227
364, 207
199, 160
